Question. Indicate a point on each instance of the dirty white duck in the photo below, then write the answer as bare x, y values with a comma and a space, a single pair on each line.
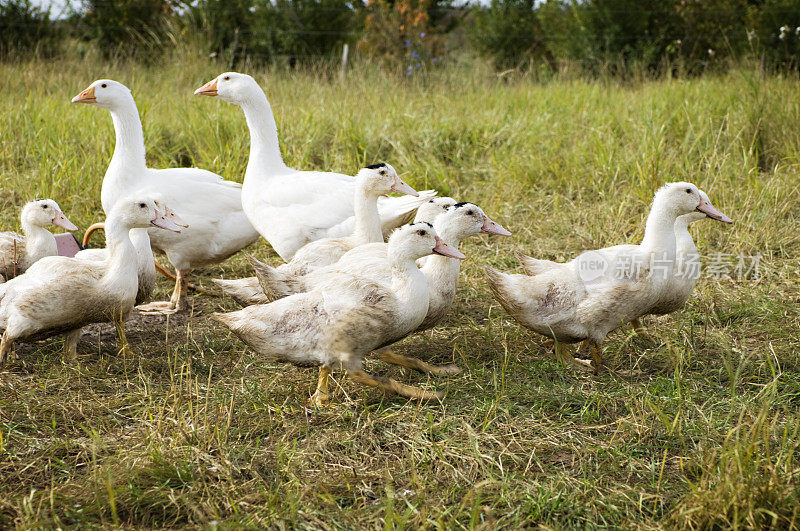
604, 289
211, 206
371, 182
60, 295
684, 276
460, 221
343, 320
144, 252
289, 207
19, 251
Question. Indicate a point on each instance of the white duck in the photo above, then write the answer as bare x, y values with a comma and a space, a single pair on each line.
684, 275
59, 295
17, 252
289, 207
144, 252
211, 206
371, 183
348, 317
603, 289
460, 221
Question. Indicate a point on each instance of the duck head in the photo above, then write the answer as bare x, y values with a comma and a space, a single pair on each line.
467, 219
683, 198
381, 179
417, 240
142, 213
428, 211
45, 212
105, 93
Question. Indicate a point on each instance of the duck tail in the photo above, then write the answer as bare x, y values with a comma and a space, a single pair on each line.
245, 291
534, 266
398, 211
276, 283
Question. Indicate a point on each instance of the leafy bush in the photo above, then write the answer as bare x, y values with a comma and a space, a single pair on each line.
127, 27
510, 32
25, 28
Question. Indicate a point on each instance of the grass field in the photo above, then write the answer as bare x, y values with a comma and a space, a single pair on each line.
198, 431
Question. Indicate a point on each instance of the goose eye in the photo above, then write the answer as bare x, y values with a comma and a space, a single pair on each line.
470, 212
422, 233
104, 85
44, 207
688, 190
382, 172
142, 205
227, 78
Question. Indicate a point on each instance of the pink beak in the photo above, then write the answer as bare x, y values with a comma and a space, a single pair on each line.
709, 210
60, 220
401, 187
492, 227
445, 249
162, 221
175, 218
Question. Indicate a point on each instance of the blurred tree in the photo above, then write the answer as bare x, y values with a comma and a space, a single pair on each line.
26, 28
775, 32
509, 31
407, 32
127, 27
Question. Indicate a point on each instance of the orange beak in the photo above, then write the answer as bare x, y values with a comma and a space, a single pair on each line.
209, 89
86, 96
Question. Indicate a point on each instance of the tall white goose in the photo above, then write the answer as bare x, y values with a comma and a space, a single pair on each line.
290, 207
348, 317
605, 288
60, 295
19, 252
211, 206
371, 183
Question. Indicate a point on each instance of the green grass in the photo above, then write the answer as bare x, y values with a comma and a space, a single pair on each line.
198, 430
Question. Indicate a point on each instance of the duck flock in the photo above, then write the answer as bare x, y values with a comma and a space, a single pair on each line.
363, 270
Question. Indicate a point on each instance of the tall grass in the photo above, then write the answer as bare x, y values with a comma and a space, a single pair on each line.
199, 431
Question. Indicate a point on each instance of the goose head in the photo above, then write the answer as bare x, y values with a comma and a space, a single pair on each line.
232, 87
467, 219
141, 213
685, 198
45, 212
381, 179
428, 211
105, 93
416, 240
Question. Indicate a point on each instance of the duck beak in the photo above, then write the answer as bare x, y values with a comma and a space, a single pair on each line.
709, 210
209, 89
445, 249
162, 221
176, 218
85, 96
60, 220
401, 187
492, 227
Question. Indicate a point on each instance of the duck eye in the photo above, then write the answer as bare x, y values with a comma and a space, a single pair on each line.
422, 233
142, 205
470, 212
382, 172
688, 190
104, 85
44, 207
227, 78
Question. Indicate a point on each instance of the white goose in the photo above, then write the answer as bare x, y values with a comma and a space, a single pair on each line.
59, 295
371, 182
289, 207
603, 289
348, 317
17, 252
211, 206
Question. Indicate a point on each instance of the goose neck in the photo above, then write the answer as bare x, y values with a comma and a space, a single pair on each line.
122, 256
129, 153
265, 152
